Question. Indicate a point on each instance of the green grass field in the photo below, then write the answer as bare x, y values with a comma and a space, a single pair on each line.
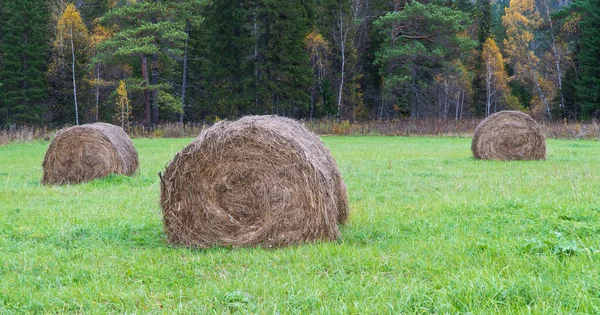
431, 230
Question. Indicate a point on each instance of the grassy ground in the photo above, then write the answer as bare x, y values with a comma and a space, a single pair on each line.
431, 231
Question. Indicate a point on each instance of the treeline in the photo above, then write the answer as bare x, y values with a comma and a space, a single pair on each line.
147, 61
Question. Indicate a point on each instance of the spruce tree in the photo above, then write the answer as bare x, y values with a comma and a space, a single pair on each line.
24, 46
485, 20
588, 85
256, 61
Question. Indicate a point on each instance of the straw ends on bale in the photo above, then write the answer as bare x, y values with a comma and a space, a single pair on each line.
509, 135
258, 181
83, 153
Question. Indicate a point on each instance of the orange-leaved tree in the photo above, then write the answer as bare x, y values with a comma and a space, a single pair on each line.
521, 20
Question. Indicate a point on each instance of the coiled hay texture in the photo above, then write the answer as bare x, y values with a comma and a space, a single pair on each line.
83, 153
509, 135
259, 181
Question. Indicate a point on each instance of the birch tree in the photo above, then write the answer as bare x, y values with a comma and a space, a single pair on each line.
495, 77
72, 39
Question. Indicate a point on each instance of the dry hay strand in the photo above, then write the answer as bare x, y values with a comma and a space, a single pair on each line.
258, 181
83, 153
509, 135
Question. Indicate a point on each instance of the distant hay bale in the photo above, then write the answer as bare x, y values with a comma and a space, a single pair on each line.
259, 181
83, 153
509, 135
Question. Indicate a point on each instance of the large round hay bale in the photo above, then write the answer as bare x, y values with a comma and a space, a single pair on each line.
82, 153
259, 181
509, 135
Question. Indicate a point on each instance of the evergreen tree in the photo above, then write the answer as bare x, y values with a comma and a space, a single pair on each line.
24, 49
259, 64
484, 19
421, 42
149, 33
93, 9
588, 85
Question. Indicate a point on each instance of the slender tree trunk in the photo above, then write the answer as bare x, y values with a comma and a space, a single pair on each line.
313, 100
73, 74
97, 91
446, 104
413, 110
154, 79
556, 53
185, 69
146, 96
488, 86
541, 93
462, 104
256, 43
457, 102
122, 116
154, 82
343, 35
381, 108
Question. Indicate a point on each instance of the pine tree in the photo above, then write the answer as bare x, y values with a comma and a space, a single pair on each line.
24, 47
421, 42
588, 86
148, 32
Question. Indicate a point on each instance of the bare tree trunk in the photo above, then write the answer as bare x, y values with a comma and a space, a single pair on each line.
73, 72
413, 110
541, 93
97, 90
256, 43
488, 86
462, 104
556, 53
446, 104
154, 82
457, 102
146, 96
122, 116
342, 43
185, 69
381, 108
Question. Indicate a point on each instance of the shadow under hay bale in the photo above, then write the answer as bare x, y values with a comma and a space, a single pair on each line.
509, 135
83, 153
259, 181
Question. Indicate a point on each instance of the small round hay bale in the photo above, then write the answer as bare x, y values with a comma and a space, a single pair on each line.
259, 181
509, 135
83, 153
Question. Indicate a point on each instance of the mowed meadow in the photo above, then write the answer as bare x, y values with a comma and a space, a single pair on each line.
431, 230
